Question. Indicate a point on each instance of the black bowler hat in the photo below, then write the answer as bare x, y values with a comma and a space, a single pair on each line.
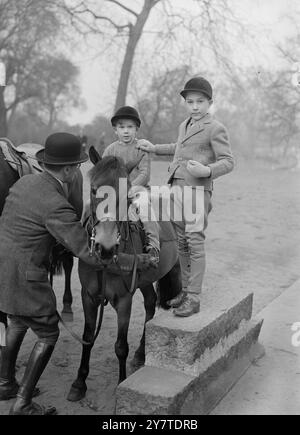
62, 149
126, 112
198, 84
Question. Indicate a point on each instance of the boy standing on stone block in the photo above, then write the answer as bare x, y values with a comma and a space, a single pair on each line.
201, 154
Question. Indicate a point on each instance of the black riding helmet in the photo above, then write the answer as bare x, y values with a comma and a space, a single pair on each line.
198, 84
126, 112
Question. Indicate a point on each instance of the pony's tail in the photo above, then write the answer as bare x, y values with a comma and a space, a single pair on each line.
169, 286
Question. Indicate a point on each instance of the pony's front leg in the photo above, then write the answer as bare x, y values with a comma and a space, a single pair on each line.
68, 262
149, 303
123, 309
79, 388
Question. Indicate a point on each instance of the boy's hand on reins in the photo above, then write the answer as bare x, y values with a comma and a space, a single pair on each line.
198, 170
145, 145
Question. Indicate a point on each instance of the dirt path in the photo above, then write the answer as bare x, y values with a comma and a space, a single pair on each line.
253, 242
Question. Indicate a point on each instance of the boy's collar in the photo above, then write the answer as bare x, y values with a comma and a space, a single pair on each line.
206, 119
197, 126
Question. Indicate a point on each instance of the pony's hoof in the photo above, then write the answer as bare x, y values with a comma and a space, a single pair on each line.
67, 309
67, 317
137, 362
76, 394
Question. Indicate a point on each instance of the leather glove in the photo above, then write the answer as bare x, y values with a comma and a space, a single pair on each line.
198, 170
145, 145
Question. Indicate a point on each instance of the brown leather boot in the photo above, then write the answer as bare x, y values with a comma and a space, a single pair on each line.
37, 363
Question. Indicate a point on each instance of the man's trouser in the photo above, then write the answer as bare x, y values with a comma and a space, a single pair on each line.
45, 328
191, 238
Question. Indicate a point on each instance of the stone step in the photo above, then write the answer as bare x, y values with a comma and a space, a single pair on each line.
156, 390
193, 344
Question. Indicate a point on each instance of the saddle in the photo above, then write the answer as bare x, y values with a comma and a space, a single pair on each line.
17, 159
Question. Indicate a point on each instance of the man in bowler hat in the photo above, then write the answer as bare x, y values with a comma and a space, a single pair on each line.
36, 215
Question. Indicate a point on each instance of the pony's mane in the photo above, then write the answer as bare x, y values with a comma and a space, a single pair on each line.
108, 171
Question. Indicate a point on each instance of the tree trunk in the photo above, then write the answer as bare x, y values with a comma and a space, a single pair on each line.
3, 114
135, 34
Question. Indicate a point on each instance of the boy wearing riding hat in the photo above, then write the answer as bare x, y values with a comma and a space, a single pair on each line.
126, 122
201, 154
36, 215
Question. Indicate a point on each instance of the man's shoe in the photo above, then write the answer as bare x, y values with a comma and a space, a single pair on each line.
191, 305
31, 408
178, 300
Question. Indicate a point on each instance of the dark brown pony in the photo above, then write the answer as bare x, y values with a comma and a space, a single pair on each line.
61, 257
126, 238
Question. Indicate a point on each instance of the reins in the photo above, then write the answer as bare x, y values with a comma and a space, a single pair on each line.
102, 274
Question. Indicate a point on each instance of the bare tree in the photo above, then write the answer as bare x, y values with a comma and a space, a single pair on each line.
27, 27
159, 104
132, 30
207, 21
56, 89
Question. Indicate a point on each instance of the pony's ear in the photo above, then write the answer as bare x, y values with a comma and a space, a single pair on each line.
94, 155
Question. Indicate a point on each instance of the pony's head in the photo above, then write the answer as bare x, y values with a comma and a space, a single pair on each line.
109, 204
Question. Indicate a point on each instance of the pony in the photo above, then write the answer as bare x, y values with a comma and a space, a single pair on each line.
61, 258
109, 237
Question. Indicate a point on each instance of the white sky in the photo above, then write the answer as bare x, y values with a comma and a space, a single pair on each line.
98, 74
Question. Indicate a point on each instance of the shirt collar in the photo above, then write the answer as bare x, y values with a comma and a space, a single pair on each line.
60, 182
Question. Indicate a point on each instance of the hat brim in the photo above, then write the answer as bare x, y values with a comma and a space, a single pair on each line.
48, 160
114, 119
186, 91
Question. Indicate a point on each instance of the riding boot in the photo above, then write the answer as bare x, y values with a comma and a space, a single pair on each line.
37, 363
9, 353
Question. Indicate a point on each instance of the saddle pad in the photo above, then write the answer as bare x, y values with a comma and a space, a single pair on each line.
16, 159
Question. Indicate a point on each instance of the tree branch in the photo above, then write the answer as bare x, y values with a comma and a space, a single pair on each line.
124, 7
74, 12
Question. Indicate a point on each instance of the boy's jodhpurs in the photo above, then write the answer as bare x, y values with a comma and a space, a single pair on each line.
191, 245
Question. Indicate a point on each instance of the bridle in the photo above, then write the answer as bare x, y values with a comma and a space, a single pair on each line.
124, 226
